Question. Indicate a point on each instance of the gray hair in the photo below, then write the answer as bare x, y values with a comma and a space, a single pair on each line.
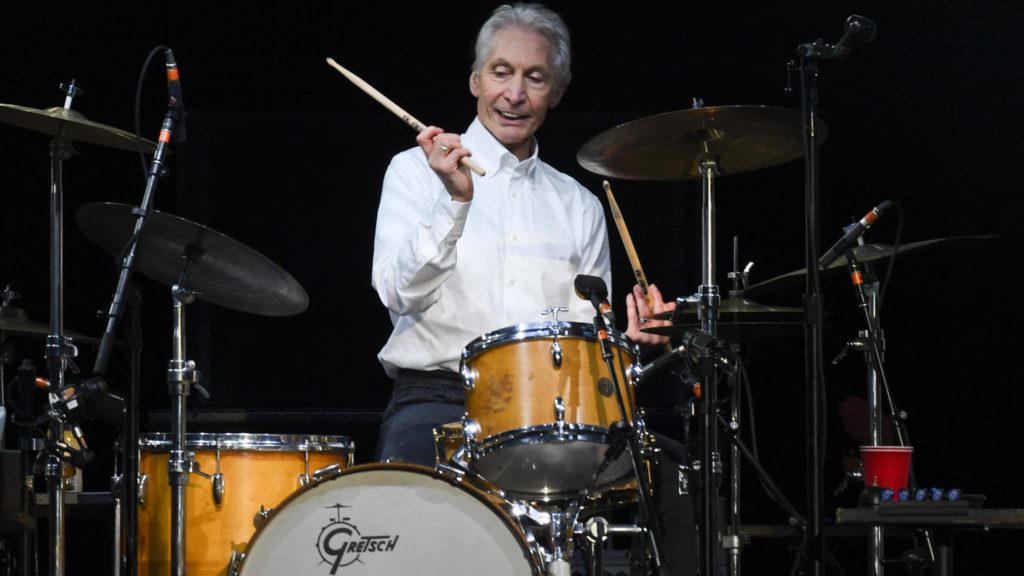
536, 18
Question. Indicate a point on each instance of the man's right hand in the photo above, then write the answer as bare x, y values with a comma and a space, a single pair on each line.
444, 152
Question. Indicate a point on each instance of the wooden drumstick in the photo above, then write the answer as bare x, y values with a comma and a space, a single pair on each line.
627, 240
397, 110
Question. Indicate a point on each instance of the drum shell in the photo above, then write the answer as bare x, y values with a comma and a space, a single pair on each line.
259, 470
540, 402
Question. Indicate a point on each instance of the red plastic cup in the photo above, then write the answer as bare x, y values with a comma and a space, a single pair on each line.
886, 466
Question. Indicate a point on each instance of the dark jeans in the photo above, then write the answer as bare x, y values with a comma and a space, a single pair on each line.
422, 401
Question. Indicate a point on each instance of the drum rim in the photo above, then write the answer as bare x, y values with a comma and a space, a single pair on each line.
232, 441
432, 472
535, 330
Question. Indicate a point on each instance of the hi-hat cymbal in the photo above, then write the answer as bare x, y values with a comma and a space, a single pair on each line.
224, 271
863, 253
15, 321
75, 125
739, 320
671, 146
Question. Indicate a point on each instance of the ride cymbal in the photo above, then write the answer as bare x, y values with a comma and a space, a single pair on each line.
863, 253
739, 320
223, 271
671, 146
73, 125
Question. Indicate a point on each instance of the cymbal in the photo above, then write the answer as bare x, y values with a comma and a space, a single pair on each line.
76, 127
15, 321
226, 272
672, 145
863, 253
739, 320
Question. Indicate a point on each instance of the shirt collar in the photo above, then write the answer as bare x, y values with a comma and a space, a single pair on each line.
493, 155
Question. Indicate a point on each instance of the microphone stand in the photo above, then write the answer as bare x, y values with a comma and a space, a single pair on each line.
810, 53
872, 340
116, 310
634, 443
813, 329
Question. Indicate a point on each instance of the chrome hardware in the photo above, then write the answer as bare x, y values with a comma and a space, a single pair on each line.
559, 410
321, 473
218, 482
470, 429
469, 374
142, 489
556, 352
553, 312
260, 519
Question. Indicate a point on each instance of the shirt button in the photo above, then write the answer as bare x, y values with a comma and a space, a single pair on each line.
512, 282
515, 237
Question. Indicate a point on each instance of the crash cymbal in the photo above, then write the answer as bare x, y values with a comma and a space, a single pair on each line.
739, 320
15, 321
672, 145
863, 253
76, 127
225, 272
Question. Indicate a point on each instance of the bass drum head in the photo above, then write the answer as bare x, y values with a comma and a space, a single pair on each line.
388, 519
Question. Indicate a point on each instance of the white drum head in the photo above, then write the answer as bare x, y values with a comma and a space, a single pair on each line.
388, 519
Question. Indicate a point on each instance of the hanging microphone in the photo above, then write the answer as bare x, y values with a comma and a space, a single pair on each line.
175, 102
857, 28
695, 344
594, 289
853, 232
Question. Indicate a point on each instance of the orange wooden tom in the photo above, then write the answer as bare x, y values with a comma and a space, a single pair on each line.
540, 404
258, 471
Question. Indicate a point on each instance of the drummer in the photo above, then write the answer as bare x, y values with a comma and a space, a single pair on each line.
457, 256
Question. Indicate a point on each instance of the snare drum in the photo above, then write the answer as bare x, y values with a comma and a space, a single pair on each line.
255, 472
540, 403
389, 519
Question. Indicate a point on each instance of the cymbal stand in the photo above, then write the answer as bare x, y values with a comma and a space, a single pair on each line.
59, 349
181, 375
708, 304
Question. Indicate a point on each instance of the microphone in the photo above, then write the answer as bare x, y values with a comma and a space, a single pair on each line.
695, 344
594, 289
174, 98
852, 233
857, 28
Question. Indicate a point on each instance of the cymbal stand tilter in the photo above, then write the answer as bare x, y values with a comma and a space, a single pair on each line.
872, 341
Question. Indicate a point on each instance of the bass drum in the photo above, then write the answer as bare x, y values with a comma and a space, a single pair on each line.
389, 519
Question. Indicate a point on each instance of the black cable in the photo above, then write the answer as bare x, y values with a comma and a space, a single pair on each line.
895, 251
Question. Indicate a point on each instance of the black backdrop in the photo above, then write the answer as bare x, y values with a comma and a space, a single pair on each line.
286, 156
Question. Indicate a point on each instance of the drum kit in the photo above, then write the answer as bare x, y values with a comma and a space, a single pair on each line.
552, 435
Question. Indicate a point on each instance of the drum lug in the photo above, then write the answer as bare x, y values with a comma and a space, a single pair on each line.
218, 488
559, 411
556, 353
470, 429
142, 489
636, 374
469, 374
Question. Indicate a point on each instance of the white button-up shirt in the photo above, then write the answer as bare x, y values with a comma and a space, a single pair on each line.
450, 271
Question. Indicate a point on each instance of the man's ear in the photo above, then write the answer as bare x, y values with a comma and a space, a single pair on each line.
474, 84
